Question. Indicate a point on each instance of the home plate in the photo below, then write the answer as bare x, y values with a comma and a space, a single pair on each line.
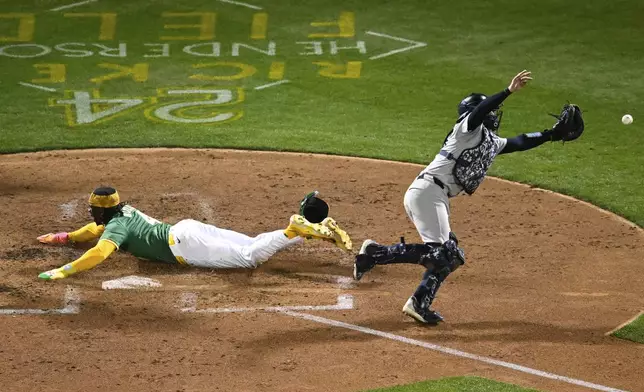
130, 282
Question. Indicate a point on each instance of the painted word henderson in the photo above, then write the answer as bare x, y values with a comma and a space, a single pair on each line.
191, 33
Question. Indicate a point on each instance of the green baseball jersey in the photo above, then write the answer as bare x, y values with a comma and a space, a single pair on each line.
140, 235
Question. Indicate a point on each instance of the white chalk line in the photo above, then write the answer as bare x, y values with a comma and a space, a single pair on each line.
394, 38
206, 210
450, 351
64, 7
573, 294
189, 305
242, 4
71, 305
625, 323
345, 282
36, 86
188, 302
178, 194
69, 209
415, 45
204, 207
263, 86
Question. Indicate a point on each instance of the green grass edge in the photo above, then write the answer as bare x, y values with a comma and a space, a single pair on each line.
633, 331
456, 384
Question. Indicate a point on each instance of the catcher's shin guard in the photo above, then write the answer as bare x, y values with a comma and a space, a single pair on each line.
448, 255
426, 290
433, 256
398, 253
444, 262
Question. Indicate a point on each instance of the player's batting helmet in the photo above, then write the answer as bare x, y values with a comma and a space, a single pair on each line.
104, 203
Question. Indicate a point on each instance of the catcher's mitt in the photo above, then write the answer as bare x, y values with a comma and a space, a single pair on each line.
569, 125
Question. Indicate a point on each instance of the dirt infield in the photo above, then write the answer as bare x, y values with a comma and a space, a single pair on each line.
546, 277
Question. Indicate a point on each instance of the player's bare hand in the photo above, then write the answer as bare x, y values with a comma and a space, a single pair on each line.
520, 80
54, 239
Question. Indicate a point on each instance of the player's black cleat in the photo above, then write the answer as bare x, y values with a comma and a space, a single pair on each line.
425, 316
364, 262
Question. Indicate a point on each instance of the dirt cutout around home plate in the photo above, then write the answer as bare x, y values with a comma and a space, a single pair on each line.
546, 277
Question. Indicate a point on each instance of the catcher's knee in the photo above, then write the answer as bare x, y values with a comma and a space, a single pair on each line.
444, 259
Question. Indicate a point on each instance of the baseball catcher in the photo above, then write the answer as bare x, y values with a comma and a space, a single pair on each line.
460, 166
119, 226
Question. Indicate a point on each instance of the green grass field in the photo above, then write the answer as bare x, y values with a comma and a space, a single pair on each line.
456, 384
633, 331
397, 107
117, 73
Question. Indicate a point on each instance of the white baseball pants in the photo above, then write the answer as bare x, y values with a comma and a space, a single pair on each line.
207, 246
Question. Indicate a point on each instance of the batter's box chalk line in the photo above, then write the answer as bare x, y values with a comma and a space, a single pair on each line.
450, 351
188, 304
71, 305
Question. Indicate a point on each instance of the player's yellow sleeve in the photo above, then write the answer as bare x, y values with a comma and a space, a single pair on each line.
86, 233
91, 258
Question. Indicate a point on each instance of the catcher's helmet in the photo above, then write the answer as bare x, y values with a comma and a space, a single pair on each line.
492, 120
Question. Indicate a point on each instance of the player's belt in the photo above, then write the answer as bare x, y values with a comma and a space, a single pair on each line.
171, 242
426, 176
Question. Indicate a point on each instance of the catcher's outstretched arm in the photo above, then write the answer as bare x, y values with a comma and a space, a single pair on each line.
89, 260
527, 141
481, 111
491, 103
569, 126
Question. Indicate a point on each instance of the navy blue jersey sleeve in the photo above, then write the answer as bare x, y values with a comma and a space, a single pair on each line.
481, 111
526, 141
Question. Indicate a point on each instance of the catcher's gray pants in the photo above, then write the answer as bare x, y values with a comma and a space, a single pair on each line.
427, 206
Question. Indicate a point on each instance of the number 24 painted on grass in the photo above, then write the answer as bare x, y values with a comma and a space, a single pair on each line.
85, 108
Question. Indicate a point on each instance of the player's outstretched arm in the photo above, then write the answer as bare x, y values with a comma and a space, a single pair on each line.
89, 260
61, 238
493, 102
86, 233
569, 126
527, 141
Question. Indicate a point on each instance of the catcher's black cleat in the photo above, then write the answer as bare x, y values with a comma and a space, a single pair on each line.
364, 262
425, 316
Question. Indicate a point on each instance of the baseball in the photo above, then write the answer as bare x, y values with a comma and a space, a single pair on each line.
627, 119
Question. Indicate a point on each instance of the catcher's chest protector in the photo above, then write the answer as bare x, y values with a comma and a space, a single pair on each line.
471, 166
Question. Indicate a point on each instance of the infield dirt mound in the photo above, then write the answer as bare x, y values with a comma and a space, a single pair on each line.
545, 278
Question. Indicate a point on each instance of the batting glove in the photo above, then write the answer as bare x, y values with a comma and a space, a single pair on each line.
54, 239
52, 274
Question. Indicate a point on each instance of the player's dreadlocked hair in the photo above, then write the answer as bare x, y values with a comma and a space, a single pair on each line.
105, 204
